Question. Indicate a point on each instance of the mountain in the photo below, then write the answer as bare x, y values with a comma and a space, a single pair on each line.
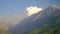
45, 22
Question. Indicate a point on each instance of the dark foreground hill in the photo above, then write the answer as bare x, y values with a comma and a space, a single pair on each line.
44, 22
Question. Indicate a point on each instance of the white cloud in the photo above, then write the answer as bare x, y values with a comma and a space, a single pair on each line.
32, 10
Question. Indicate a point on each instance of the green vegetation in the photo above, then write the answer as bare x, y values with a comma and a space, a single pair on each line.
4, 32
47, 28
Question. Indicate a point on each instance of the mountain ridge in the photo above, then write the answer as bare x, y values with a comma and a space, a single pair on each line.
49, 15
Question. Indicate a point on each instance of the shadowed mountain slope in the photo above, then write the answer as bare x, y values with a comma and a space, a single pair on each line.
44, 22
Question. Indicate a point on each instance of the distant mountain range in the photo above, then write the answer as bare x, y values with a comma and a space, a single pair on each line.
45, 22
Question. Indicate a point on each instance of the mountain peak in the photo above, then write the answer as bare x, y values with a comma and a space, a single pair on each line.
55, 6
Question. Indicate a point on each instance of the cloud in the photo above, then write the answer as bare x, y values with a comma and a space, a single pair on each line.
32, 10
1, 17
11, 19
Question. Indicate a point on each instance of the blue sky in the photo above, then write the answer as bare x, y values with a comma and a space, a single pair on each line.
11, 7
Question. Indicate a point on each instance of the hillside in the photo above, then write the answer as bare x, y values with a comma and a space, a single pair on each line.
45, 22
46, 29
4, 32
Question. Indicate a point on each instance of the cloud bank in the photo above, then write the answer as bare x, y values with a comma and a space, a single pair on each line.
32, 10
11, 19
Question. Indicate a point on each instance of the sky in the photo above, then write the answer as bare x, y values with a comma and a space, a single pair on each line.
13, 7
13, 11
